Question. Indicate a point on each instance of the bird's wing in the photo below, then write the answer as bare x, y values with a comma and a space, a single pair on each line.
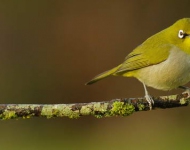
144, 56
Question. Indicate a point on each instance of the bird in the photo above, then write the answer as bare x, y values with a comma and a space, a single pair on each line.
162, 61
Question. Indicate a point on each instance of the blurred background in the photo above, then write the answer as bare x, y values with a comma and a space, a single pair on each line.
50, 49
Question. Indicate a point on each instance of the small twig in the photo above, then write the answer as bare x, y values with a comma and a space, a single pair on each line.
115, 107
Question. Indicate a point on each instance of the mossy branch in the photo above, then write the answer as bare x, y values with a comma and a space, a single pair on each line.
115, 107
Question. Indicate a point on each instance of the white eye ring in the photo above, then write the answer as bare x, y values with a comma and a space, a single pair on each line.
181, 34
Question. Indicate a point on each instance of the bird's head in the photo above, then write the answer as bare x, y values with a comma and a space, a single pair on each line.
179, 34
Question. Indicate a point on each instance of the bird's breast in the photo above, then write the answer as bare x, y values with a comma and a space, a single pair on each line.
169, 74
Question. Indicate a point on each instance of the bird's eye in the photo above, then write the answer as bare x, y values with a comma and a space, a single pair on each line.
181, 34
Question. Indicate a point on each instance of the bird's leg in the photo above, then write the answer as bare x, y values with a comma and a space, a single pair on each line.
148, 97
187, 90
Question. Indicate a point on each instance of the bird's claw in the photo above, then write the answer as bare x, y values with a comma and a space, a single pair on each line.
187, 90
150, 101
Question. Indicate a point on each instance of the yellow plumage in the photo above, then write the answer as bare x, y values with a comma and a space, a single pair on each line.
161, 62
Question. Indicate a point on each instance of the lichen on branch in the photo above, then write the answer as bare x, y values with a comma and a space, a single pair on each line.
115, 107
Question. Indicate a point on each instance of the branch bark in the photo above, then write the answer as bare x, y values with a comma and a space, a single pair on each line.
115, 107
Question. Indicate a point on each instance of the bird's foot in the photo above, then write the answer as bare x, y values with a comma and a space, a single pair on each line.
148, 97
149, 100
187, 90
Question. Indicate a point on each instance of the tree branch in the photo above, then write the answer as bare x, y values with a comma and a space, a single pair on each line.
115, 107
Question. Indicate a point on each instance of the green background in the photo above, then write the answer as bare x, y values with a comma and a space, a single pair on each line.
49, 49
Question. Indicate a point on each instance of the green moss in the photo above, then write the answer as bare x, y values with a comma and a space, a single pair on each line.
100, 110
102, 107
8, 115
59, 111
27, 117
140, 106
182, 101
66, 111
74, 116
121, 109
47, 111
98, 115
86, 110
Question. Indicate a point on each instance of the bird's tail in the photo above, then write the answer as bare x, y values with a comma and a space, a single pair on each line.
103, 75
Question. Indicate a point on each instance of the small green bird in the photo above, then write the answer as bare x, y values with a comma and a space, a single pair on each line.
161, 62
